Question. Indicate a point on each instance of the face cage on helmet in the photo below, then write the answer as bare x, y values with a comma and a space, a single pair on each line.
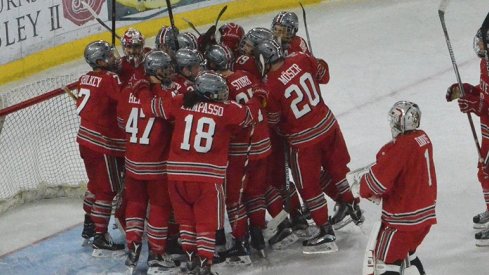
479, 46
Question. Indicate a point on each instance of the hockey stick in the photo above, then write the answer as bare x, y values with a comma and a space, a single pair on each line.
441, 13
243, 178
305, 26
206, 38
192, 26
484, 29
94, 14
172, 22
113, 23
287, 177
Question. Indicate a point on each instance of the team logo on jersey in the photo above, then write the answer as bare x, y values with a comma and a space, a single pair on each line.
76, 12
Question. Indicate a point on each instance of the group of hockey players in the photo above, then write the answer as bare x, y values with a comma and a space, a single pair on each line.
176, 135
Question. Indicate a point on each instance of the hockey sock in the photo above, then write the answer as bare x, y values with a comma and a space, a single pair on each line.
88, 201
319, 209
274, 201
101, 214
255, 208
206, 245
238, 220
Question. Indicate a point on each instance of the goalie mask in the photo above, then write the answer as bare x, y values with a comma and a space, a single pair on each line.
253, 38
285, 26
159, 65
211, 85
133, 44
479, 47
219, 58
100, 51
404, 116
267, 53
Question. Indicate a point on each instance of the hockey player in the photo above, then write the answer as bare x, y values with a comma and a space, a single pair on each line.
101, 143
284, 27
315, 141
204, 121
134, 50
476, 101
251, 203
189, 63
404, 178
231, 35
167, 40
246, 61
148, 141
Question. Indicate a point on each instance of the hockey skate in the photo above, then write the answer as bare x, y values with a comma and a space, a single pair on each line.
482, 238
203, 268
133, 256
239, 254
103, 246
284, 236
272, 225
323, 242
159, 263
300, 226
88, 230
174, 250
481, 221
345, 213
257, 241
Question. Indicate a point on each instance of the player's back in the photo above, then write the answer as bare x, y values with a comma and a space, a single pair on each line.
295, 100
411, 201
247, 63
98, 93
147, 137
200, 140
241, 86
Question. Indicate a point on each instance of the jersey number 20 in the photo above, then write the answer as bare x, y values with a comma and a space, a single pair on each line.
312, 97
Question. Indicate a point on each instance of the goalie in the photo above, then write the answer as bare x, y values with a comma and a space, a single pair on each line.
404, 178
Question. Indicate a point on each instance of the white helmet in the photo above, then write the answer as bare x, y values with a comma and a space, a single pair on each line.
404, 116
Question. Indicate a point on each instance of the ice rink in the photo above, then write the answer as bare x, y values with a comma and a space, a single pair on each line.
379, 52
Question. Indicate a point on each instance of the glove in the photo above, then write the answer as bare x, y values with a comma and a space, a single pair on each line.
323, 69
207, 39
262, 96
470, 104
453, 92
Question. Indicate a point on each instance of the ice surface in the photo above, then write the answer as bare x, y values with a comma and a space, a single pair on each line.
379, 52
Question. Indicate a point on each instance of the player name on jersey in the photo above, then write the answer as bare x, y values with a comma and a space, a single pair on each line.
90, 80
241, 82
288, 74
206, 108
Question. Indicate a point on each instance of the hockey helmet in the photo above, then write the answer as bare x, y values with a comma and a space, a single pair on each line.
219, 58
212, 86
404, 116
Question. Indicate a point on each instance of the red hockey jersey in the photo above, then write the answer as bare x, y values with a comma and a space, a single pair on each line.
183, 84
404, 177
98, 93
247, 63
241, 85
147, 137
200, 139
295, 101
296, 45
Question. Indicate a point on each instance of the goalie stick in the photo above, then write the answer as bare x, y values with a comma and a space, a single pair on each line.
305, 26
441, 13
